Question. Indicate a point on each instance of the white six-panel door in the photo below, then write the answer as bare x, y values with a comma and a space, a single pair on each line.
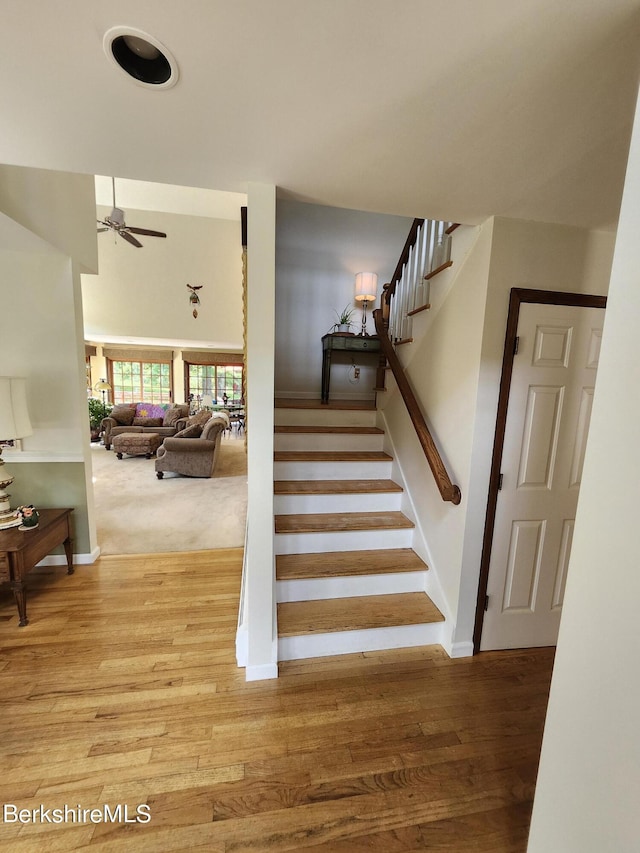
547, 423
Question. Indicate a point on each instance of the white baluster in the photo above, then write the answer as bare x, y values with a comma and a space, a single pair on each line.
420, 299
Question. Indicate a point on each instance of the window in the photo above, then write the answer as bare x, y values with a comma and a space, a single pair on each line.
136, 381
216, 380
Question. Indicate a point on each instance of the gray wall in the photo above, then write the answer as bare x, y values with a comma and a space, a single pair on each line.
318, 252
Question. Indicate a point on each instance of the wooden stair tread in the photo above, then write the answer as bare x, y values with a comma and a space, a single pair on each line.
353, 614
439, 269
360, 405
331, 456
323, 522
348, 563
341, 430
334, 487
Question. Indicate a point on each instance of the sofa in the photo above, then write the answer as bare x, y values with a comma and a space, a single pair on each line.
165, 420
194, 451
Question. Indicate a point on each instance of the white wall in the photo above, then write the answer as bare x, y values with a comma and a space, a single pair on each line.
455, 367
40, 328
143, 292
443, 367
533, 255
319, 251
56, 206
588, 786
39, 342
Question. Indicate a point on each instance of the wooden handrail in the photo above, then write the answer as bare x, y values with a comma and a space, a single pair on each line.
409, 242
448, 490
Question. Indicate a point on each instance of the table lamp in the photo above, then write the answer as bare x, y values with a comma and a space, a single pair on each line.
14, 424
366, 287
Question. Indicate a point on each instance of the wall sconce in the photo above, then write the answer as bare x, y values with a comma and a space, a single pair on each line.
14, 424
366, 288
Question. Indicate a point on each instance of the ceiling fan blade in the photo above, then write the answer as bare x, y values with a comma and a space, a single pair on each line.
145, 231
103, 229
126, 236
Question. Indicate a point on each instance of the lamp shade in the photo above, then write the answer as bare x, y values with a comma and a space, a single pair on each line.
366, 286
14, 415
102, 385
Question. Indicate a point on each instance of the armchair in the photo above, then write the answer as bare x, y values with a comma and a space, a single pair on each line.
191, 455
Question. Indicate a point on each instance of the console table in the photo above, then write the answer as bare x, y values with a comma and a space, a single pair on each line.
21, 550
362, 344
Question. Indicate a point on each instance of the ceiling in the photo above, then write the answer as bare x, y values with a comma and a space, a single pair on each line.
457, 110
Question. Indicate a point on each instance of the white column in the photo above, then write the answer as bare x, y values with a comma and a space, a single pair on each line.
259, 581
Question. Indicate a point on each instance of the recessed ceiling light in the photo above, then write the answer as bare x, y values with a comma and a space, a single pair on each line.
141, 56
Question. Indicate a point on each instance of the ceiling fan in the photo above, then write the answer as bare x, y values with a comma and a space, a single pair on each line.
115, 222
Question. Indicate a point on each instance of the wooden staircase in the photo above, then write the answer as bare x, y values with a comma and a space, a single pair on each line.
347, 577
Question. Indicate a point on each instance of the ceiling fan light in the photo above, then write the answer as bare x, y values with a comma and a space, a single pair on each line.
141, 56
116, 217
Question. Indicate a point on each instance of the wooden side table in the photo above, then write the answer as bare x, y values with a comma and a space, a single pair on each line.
21, 550
363, 344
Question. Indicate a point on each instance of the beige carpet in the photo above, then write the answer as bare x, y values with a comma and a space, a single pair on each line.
138, 514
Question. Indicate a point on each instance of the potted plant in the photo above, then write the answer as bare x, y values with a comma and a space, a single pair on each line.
345, 319
97, 411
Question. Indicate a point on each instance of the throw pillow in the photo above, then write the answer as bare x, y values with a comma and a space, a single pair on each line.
200, 417
150, 410
123, 415
147, 422
193, 431
173, 415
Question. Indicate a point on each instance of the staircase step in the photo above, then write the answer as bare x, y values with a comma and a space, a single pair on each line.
326, 522
331, 456
314, 439
347, 564
297, 618
358, 405
339, 626
319, 428
334, 487
325, 416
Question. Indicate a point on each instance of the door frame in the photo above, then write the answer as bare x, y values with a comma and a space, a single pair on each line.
518, 295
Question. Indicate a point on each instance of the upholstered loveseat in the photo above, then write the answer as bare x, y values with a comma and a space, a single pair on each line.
165, 420
194, 451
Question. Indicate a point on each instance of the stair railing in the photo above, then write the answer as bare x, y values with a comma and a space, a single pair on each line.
426, 252
427, 248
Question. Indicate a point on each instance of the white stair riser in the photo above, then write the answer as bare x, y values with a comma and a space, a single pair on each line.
318, 589
310, 470
348, 540
368, 640
327, 441
324, 417
293, 504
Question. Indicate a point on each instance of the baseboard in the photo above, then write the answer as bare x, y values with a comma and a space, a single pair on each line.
78, 559
261, 672
242, 646
460, 650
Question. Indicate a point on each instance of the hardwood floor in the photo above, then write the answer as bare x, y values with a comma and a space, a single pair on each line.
123, 689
